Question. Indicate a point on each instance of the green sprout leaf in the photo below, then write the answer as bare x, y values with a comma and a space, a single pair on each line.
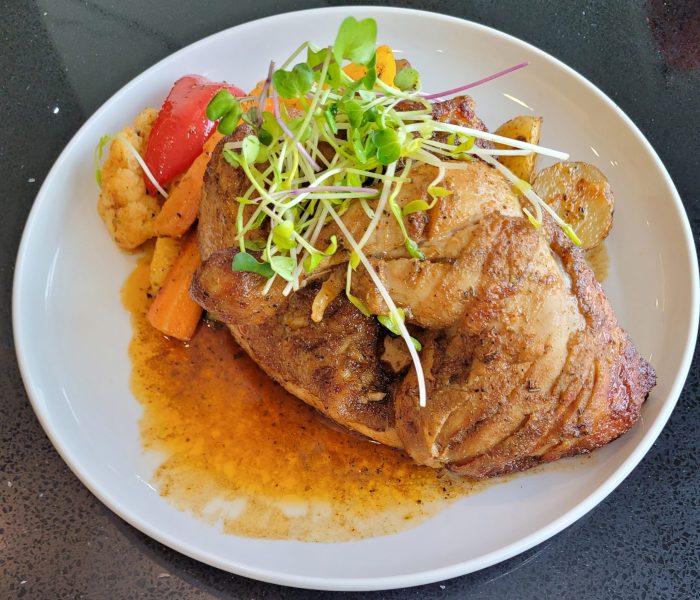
358, 304
417, 206
412, 147
391, 322
231, 157
314, 259
295, 125
358, 146
370, 77
250, 149
356, 41
222, 102
316, 59
230, 120
247, 263
353, 110
255, 244
283, 266
413, 249
438, 192
571, 234
99, 152
270, 124
329, 115
354, 260
294, 83
242, 200
332, 246
407, 79
283, 235
264, 136
370, 115
388, 146
411, 246
465, 146
252, 117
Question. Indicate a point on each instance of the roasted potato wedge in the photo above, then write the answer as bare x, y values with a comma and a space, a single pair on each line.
581, 195
165, 252
525, 128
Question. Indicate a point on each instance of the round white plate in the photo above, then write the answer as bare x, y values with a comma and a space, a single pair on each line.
71, 331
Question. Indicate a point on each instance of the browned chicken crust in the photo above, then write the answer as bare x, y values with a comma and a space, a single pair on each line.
523, 357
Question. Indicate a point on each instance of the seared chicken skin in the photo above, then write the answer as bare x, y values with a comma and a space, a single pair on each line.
523, 358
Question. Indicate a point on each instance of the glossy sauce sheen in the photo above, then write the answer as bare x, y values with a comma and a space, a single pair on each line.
235, 448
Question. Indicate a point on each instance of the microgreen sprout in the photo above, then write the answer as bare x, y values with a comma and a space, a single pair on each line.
99, 152
329, 141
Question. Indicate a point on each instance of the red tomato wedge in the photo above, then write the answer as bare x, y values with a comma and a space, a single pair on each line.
181, 128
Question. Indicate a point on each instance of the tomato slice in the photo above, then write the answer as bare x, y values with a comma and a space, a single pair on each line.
181, 128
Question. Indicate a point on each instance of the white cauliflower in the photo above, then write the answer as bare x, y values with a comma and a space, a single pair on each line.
124, 205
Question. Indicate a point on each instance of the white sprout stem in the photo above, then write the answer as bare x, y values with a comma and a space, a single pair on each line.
438, 178
316, 98
283, 126
366, 207
393, 311
380, 176
296, 53
268, 285
390, 170
491, 151
536, 201
430, 159
142, 164
320, 179
294, 284
392, 91
492, 137
499, 152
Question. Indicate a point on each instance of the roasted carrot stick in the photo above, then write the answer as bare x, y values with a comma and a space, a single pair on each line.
182, 206
173, 312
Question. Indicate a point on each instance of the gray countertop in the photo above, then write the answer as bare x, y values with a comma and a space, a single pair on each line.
58, 541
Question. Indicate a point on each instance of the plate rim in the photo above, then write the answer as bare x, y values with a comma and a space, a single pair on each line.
456, 569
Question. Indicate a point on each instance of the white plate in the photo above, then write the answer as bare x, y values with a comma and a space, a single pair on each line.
71, 331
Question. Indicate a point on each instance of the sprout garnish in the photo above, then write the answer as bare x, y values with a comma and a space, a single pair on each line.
325, 141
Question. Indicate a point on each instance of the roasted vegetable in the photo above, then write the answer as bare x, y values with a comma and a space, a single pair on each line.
180, 210
581, 195
181, 128
165, 254
525, 128
126, 208
173, 311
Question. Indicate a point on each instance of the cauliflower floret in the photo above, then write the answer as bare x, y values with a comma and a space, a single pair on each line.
124, 205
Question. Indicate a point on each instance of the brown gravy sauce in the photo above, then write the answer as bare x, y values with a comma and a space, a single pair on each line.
237, 450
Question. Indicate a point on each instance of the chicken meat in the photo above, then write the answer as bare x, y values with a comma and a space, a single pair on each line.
524, 360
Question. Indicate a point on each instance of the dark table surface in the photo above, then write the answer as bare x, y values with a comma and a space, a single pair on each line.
59, 541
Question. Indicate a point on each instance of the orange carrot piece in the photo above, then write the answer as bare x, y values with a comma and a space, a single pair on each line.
385, 67
181, 208
290, 103
173, 312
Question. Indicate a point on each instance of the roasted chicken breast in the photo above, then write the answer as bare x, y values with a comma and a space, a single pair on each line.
523, 357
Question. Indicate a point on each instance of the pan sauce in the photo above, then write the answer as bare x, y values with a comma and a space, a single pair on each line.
240, 451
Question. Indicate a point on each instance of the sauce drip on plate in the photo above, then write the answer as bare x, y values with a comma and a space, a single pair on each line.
234, 448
